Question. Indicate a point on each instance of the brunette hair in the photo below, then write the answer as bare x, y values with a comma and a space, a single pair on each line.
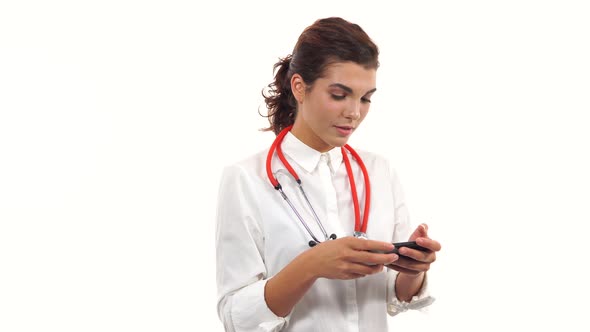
325, 42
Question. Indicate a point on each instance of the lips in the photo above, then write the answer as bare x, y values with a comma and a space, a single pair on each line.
344, 130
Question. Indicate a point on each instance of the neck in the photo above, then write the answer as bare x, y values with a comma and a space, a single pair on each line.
309, 138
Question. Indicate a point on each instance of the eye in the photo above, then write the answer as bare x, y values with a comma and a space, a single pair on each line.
366, 100
338, 97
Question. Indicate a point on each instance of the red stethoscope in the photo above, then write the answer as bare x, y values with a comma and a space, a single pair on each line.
360, 229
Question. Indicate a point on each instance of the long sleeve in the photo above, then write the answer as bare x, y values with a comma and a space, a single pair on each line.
258, 234
241, 272
403, 229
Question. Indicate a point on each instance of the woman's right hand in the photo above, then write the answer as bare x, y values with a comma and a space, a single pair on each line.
348, 258
345, 258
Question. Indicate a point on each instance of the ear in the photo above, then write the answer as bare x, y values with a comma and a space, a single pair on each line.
298, 87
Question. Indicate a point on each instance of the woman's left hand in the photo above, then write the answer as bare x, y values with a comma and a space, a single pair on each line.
413, 261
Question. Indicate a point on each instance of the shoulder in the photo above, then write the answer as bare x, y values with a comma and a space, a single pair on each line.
250, 166
372, 156
380, 167
375, 162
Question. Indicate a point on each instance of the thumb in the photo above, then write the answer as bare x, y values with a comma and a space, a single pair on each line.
421, 231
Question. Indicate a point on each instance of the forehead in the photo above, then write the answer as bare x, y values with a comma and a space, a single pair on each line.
351, 74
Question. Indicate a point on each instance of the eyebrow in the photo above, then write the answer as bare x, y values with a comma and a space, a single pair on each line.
349, 90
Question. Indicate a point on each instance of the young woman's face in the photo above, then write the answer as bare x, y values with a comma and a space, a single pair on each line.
334, 106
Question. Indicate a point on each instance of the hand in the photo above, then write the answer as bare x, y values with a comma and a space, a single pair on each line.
348, 258
415, 262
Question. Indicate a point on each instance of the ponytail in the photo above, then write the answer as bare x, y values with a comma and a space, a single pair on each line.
279, 98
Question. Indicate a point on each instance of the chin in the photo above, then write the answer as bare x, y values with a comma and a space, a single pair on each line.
338, 142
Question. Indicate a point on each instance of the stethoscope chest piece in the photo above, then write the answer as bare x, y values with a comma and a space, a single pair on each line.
312, 243
360, 235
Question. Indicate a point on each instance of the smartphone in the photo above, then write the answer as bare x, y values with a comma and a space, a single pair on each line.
409, 244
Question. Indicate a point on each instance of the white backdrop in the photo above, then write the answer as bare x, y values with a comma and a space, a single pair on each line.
116, 118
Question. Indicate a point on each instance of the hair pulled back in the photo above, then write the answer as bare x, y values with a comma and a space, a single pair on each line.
326, 41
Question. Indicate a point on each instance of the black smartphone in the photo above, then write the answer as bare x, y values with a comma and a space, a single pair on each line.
409, 244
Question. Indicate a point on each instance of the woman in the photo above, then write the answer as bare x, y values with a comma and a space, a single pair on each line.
315, 257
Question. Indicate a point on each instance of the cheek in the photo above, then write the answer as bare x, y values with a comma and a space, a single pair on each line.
332, 108
327, 109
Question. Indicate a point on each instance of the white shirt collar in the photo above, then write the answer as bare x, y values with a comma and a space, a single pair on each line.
307, 157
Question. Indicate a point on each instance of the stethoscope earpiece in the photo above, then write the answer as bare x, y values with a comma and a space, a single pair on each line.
333, 236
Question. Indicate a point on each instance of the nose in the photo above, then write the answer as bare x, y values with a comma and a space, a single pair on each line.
353, 110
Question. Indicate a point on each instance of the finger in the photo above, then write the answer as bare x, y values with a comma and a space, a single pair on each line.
418, 255
375, 268
363, 269
428, 243
404, 270
367, 257
425, 228
420, 231
411, 264
371, 245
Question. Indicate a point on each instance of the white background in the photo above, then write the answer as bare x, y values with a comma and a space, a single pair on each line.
116, 118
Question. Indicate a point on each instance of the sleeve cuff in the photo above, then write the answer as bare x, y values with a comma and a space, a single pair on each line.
418, 301
251, 313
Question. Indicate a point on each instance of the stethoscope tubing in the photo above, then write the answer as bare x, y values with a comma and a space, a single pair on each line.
360, 228
301, 218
